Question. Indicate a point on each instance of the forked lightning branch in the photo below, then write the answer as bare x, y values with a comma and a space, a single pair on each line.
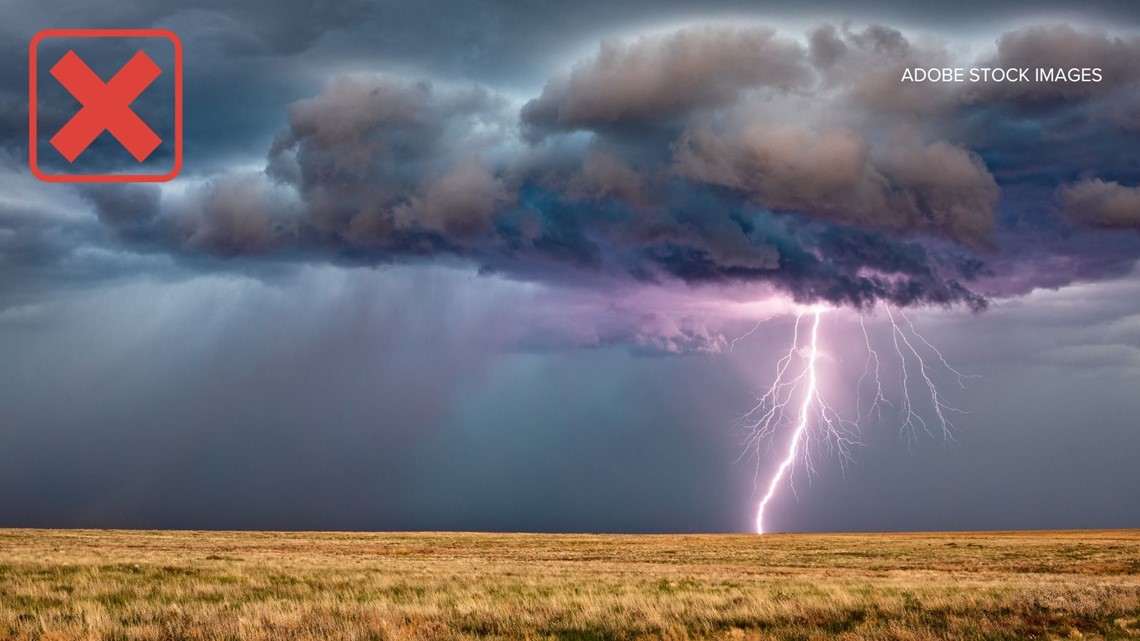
794, 417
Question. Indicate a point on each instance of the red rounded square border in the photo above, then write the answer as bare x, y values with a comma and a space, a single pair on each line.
33, 107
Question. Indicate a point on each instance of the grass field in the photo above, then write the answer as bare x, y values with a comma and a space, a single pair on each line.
61, 584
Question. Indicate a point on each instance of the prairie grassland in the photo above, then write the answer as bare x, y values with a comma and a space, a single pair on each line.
69, 584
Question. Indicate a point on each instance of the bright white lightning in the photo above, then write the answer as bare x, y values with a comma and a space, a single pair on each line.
796, 381
810, 395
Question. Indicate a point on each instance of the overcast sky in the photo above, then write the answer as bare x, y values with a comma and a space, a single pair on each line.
500, 266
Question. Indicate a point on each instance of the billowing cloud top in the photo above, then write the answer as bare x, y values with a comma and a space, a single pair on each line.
702, 155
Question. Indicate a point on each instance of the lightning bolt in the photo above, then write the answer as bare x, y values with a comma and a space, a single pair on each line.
810, 395
794, 399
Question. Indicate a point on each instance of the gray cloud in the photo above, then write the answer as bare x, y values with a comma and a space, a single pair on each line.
235, 215
604, 175
867, 66
375, 157
1061, 46
861, 69
825, 47
120, 206
832, 175
462, 202
658, 78
231, 215
261, 26
1101, 204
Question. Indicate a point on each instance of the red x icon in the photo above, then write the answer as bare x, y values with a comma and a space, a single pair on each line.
106, 106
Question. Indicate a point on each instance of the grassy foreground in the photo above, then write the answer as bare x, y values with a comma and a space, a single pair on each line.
60, 584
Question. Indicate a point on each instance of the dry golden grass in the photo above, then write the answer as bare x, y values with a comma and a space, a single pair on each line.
57, 585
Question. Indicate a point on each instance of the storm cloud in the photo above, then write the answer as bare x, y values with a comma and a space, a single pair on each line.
1102, 204
1063, 46
654, 79
379, 168
705, 154
937, 188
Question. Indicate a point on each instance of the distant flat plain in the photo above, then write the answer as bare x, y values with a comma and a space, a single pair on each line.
126, 585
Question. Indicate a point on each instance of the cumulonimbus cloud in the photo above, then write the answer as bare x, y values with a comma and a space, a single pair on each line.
707, 155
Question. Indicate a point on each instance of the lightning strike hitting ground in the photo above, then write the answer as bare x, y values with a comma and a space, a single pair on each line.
811, 395
815, 423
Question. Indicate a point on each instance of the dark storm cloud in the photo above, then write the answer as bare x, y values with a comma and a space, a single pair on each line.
706, 154
123, 206
258, 27
831, 175
233, 215
27, 243
377, 169
13, 118
811, 280
42, 252
239, 65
